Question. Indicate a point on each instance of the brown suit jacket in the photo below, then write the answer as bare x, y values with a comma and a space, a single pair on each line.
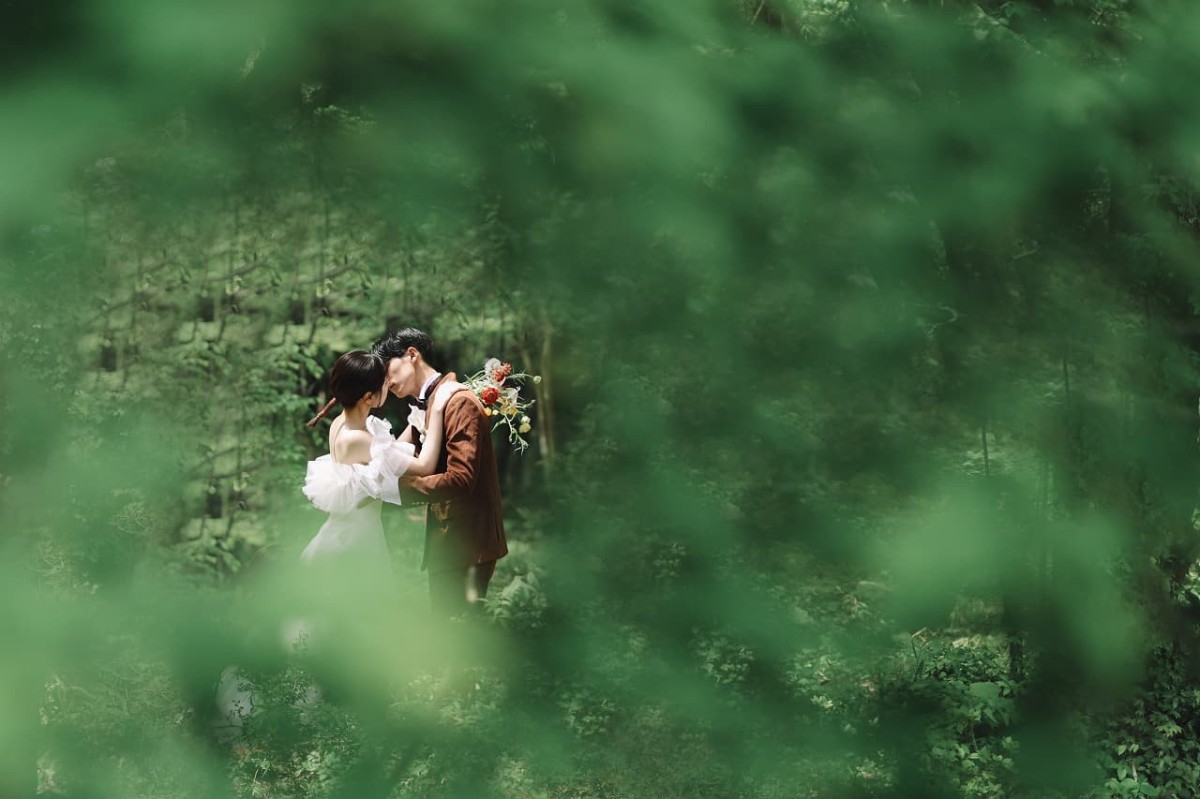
464, 523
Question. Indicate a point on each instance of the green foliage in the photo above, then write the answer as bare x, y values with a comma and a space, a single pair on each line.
1150, 747
864, 456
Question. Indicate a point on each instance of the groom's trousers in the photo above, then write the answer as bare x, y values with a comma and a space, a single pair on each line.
453, 591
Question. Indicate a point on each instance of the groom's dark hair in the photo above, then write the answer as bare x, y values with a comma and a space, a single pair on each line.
397, 342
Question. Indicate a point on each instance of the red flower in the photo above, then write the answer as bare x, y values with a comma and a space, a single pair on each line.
489, 395
502, 371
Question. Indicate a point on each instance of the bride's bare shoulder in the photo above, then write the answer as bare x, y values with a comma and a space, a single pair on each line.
352, 446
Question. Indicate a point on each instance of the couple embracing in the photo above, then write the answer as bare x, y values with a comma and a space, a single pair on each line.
444, 458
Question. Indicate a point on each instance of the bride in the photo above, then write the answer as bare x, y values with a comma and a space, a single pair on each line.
360, 472
364, 463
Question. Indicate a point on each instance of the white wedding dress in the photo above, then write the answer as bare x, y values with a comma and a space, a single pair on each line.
352, 537
352, 495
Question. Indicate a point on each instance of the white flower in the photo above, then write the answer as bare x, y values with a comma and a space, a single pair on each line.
524, 428
524, 420
537, 378
490, 365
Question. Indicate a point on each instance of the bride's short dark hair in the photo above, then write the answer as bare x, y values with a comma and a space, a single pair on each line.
354, 374
396, 343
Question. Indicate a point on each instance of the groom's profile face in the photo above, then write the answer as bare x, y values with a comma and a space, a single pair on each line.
402, 375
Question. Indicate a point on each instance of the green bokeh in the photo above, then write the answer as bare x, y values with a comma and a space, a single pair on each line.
864, 455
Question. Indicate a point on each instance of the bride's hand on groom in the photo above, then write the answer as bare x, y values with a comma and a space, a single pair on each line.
440, 397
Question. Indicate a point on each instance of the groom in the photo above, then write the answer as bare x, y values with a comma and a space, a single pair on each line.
464, 524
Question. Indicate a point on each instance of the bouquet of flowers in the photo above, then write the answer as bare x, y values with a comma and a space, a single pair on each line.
498, 388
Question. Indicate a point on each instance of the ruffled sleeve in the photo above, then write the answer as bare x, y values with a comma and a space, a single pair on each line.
340, 488
390, 458
331, 486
